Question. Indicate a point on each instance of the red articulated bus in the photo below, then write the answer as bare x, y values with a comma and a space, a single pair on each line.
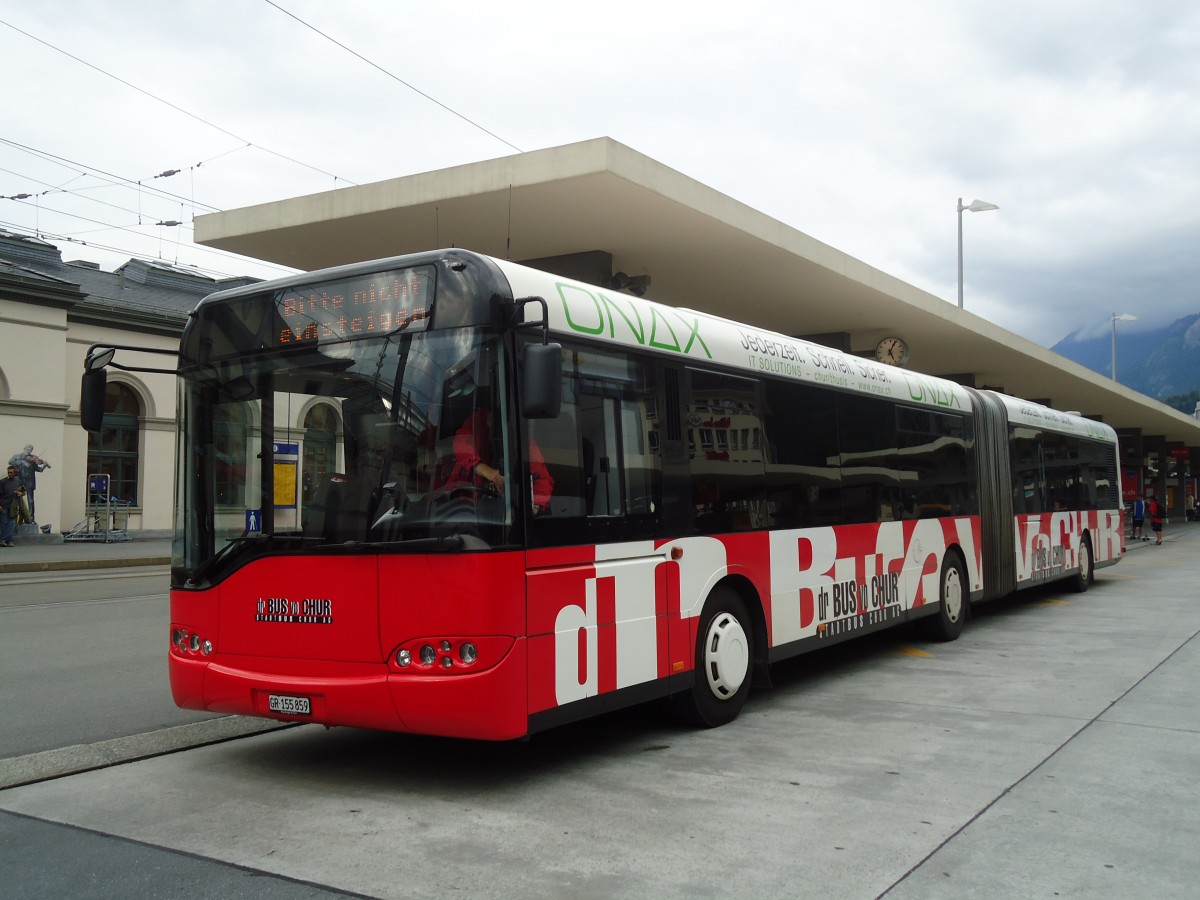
447, 494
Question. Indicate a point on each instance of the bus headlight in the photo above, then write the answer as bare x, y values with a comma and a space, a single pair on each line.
185, 642
450, 656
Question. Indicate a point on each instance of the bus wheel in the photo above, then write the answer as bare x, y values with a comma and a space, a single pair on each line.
947, 624
1083, 578
724, 652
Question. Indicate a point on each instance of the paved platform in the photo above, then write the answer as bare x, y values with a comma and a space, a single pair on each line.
44, 556
1051, 751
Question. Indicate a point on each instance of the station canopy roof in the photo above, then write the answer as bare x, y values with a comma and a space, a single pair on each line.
702, 249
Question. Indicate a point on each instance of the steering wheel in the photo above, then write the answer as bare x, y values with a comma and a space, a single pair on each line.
471, 490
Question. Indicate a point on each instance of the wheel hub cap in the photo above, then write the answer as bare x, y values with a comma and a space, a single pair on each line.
726, 656
952, 599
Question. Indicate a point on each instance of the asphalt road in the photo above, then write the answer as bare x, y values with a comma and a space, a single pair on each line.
1050, 751
83, 658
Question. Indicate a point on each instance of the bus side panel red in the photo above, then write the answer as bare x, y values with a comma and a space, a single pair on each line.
450, 594
610, 617
564, 621
603, 619
1108, 535
456, 598
830, 582
1047, 544
489, 705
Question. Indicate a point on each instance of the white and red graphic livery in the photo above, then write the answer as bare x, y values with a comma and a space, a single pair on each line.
447, 494
628, 616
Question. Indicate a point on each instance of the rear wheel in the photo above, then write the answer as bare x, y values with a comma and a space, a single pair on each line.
724, 652
1083, 578
947, 624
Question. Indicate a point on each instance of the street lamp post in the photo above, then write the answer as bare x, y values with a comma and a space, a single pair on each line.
1123, 317
976, 206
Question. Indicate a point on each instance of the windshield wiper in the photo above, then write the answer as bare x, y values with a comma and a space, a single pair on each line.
415, 545
446, 543
266, 540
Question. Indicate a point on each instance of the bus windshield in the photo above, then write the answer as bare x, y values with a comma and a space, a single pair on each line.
337, 446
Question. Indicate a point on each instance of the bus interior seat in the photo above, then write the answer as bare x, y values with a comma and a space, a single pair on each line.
321, 514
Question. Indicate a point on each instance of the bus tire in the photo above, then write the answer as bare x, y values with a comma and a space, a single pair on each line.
953, 595
1083, 578
724, 654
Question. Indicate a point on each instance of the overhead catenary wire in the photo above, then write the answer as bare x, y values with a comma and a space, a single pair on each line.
143, 185
36, 200
393, 76
117, 180
173, 106
40, 234
109, 180
58, 189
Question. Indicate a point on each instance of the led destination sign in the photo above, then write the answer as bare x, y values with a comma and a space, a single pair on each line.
378, 303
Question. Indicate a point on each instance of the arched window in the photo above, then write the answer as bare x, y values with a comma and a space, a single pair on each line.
113, 450
320, 446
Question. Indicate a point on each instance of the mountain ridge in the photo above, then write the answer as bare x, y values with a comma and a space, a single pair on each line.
1162, 363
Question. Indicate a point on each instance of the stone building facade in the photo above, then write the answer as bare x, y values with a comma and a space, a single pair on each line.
50, 312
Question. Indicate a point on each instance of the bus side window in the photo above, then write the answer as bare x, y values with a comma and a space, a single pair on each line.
600, 430
601, 451
562, 450
724, 418
803, 467
619, 465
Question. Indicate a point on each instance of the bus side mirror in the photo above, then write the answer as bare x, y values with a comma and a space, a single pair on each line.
91, 399
541, 381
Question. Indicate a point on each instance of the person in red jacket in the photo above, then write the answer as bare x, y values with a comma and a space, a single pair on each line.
473, 463
1156, 518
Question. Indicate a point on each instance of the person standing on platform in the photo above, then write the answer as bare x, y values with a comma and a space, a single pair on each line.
1139, 519
1156, 519
12, 492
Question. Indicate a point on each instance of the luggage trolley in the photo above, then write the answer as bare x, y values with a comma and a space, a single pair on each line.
107, 516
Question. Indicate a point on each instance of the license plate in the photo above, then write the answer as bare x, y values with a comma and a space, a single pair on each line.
289, 706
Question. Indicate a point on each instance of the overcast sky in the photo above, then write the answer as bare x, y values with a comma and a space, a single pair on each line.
858, 123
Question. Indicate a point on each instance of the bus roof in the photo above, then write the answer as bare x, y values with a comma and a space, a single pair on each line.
587, 311
627, 320
1034, 415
